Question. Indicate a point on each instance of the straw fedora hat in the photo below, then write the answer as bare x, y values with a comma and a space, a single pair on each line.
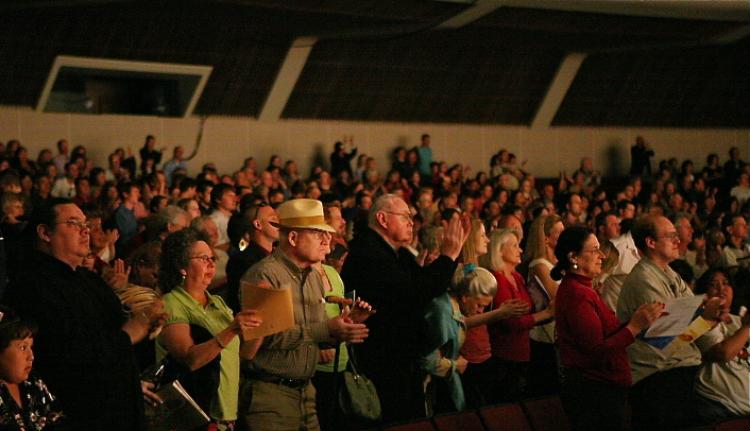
302, 214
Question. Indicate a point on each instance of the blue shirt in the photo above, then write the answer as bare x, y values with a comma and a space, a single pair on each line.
127, 224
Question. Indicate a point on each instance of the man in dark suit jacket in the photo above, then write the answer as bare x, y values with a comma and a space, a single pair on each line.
388, 276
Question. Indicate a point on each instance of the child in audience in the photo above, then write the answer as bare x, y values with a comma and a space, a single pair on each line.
25, 402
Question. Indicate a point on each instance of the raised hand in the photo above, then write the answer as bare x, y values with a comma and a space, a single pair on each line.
456, 232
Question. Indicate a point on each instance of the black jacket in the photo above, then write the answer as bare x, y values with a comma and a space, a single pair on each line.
399, 289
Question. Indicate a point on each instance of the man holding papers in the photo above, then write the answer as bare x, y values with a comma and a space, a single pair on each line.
663, 380
278, 394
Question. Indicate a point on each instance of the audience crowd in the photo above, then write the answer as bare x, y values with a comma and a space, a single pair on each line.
450, 289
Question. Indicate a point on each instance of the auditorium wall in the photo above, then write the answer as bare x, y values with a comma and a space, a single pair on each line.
228, 140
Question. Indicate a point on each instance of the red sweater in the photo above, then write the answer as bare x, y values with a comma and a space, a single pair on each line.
510, 337
590, 337
476, 348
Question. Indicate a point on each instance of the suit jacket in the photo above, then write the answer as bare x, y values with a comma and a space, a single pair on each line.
400, 290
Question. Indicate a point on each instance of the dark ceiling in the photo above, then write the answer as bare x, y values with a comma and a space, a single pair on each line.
383, 60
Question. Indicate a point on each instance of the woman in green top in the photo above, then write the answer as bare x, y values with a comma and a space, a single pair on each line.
188, 266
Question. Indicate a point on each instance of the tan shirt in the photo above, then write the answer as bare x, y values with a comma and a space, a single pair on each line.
293, 353
648, 283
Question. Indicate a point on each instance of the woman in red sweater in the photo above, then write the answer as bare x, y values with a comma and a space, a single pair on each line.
591, 341
509, 338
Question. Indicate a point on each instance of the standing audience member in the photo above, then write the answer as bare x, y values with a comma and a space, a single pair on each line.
471, 292
341, 160
62, 158
278, 393
84, 339
640, 158
255, 230
186, 270
509, 338
480, 380
176, 163
65, 184
540, 249
425, 156
661, 396
125, 219
150, 156
324, 380
387, 274
224, 203
592, 341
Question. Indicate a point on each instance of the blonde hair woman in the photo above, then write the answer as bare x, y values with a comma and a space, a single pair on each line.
540, 252
476, 244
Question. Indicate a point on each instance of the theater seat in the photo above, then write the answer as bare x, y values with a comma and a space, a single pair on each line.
546, 414
420, 425
463, 421
507, 417
733, 425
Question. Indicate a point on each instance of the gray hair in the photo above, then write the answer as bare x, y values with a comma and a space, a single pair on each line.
473, 281
172, 213
382, 203
199, 222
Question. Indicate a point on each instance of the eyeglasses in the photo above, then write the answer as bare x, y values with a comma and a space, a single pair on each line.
206, 259
80, 225
670, 235
320, 235
405, 216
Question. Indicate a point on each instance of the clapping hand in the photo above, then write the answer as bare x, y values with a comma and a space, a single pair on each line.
456, 232
513, 308
360, 312
117, 275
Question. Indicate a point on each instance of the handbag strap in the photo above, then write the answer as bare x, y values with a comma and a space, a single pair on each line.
336, 370
352, 360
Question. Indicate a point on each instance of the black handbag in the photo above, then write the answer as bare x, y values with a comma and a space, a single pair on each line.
357, 397
201, 384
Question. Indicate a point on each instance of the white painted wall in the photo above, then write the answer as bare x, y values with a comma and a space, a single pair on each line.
227, 141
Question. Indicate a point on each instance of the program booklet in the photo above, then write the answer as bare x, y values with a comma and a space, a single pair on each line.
178, 412
274, 307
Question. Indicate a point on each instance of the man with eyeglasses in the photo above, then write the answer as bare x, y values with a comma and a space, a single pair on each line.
663, 384
84, 348
382, 270
278, 393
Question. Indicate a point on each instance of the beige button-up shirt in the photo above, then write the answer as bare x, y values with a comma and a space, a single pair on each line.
291, 354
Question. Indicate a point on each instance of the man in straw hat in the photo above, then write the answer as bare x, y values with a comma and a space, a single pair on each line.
278, 394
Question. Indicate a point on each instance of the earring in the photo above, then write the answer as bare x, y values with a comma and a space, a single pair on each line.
182, 280
575, 266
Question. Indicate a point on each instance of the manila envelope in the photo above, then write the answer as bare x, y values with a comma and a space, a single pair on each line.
274, 306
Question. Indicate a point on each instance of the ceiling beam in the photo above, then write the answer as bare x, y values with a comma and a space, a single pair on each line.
287, 78
560, 85
476, 11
